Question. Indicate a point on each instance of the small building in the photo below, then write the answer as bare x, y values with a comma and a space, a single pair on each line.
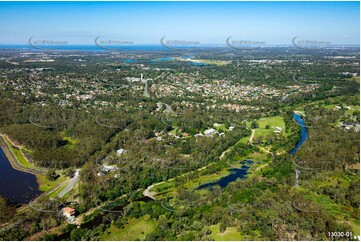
69, 213
210, 132
103, 170
216, 125
121, 152
278, 130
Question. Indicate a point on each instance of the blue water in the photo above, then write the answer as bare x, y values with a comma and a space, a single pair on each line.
236, 173
129, 61
198, 63
240, 173
304, 134
18, 187
164, 59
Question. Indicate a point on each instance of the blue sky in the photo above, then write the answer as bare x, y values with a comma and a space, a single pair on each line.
206, 22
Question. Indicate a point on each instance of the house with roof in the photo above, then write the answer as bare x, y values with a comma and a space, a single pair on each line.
210, 132
278, 130
69, 213
121, 152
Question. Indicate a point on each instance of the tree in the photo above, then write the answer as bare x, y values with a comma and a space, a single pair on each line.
254, 125
51, 175
7, 211
49, 237
77, 234
70, 172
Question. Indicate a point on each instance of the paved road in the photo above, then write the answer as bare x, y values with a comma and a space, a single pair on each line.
70, 185
148, 193
250, 139
145, 93
168, 108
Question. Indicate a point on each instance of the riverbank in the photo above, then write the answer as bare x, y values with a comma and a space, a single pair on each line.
20, 163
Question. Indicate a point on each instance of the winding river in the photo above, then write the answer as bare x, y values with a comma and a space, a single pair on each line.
304, 134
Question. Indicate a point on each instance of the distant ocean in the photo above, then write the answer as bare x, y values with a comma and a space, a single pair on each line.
89, 47
81, 47
153, 47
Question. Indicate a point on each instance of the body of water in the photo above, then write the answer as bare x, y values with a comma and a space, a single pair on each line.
163, 59
18, 187
240, 173
235, 173
92, 48
129, 61
304, 134
198, 63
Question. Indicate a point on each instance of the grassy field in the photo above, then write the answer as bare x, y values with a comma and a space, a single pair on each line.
71, 142
276, 121
18, 154
244, 140
45, 184
221, 128
272, 122
135, 229
231, 234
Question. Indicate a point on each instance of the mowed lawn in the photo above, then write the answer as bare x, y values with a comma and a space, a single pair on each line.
273, 122
276, 121
136, 229
230, 234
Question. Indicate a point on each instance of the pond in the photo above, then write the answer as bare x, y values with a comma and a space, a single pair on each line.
17, 186
235, 173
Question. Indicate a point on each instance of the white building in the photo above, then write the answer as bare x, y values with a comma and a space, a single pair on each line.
210, 132
121, 152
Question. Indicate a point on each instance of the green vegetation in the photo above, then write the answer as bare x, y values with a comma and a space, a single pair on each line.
230, 234
70, 142
18, 154
78, 117
45, 184
135, 229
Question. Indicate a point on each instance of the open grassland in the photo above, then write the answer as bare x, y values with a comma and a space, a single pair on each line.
135, 229
71, 142
230, 234
272, 122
